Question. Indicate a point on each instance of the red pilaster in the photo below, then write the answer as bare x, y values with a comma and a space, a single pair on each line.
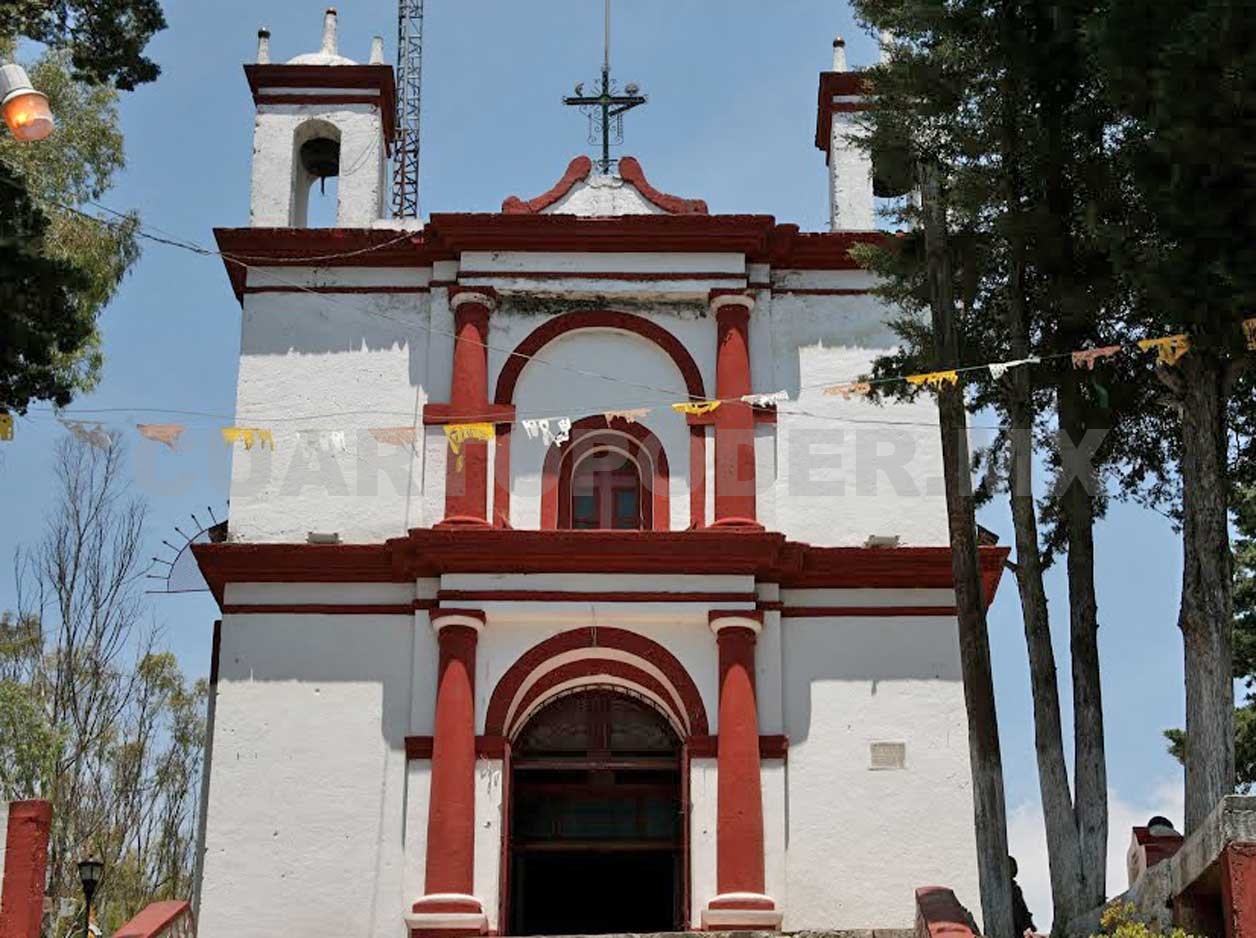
25, 869
734, 421
448, 905
466, 491
739, 870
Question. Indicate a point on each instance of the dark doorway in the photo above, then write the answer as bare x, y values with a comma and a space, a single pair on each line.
596, 819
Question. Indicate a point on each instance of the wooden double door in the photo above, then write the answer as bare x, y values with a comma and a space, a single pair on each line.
596, 821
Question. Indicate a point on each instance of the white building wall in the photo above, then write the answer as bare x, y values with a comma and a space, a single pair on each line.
860, 840
332, 362
306, 816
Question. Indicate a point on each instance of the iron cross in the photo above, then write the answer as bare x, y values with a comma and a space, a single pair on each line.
606, 110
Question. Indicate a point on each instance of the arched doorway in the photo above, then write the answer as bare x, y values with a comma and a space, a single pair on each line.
607, 494
596, 818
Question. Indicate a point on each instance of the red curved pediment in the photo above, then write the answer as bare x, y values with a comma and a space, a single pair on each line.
630, 172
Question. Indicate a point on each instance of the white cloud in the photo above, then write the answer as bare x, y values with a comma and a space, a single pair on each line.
1027, 841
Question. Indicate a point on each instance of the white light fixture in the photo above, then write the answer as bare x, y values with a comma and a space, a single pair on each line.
26, 111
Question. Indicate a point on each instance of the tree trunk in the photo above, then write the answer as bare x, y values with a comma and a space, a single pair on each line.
1064, 858
989, 809
1207, 613
1090, 773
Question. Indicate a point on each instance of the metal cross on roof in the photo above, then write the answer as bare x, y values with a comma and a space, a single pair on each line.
606, 109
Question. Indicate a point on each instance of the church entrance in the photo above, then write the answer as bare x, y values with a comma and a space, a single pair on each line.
596, 819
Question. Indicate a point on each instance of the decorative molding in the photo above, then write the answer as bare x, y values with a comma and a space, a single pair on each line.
478, 296
721, 619
581, 168
446, 618
836, 85
865, 612
319, 609
375, 78
431, 552
708, 747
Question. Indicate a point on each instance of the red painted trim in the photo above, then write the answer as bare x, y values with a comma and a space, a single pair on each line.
939, 914
578, 169
25, 868
603, 637
466, 473
697, 477
631, 172
735, 499
486, 747
446, 236
592, 596
739, 853
430, 552
559, 326
337, 290
378, 78
865, 612
437, 415
835, 85
154, 918
587, 434
708, 747
593, 668
450, 865
372, 99
631, 275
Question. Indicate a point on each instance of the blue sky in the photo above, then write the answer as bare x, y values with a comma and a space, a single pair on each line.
731, 119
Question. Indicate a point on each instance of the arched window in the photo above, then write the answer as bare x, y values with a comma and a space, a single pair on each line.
607, 494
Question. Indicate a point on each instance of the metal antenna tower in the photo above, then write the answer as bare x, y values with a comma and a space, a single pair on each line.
409, 104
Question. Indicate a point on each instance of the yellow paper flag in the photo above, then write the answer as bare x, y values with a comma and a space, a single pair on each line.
934, 379
459, 433
1171, 348
248, 436
6, 427
1249, 328
696, 409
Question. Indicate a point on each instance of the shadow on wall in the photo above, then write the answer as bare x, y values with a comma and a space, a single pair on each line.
863, 653
325, 324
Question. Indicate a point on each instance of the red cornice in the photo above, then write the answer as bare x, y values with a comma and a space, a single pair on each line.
629, 170
835, 85
378, 78
708, 747
446, 236
430, 552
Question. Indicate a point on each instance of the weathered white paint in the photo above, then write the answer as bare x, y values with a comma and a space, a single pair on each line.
851, 206
848, 683
489, 791
316, 277
599, 582
305, 817
643, 262
603, 195
262, 594
703, 789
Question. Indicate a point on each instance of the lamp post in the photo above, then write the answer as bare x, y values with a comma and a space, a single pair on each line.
89, 876
25, 110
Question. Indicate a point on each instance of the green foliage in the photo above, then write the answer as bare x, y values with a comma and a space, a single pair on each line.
58, 268
1118, 921
104, 38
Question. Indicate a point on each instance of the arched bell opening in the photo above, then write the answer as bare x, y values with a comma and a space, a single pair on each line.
597, 817
316, 173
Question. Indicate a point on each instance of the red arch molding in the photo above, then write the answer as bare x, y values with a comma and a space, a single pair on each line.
594, 669
507, 688
552, 329
591, 433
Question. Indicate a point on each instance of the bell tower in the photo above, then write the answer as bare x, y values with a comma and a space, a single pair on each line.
320, 116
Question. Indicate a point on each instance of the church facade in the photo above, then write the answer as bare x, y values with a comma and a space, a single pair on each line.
528, 649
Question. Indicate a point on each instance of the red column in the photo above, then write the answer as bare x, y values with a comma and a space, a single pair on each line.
448, 905
734, 421
1238, 890
739, 878
25, 869
466, 491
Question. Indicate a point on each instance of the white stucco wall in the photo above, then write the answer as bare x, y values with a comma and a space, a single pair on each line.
860, 840
305, 823
851, 206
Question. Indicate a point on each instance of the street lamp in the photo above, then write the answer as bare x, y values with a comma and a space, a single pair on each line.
89, 876
26, 110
